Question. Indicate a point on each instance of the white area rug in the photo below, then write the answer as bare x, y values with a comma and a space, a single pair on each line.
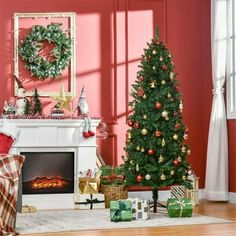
75, 220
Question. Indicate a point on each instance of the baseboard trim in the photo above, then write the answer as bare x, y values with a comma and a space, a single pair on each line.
232, 197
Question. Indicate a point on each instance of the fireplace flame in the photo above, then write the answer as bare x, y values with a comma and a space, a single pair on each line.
46, 183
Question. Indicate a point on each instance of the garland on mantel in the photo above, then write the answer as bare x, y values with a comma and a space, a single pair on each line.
30, 48
46, 117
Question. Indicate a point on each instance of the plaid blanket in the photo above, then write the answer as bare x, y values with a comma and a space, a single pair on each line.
10, 167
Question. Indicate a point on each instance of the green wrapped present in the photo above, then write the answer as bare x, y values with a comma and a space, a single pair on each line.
112, 176
120, 210
106, 174
179, 207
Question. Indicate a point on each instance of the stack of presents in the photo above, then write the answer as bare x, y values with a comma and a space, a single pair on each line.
105, 188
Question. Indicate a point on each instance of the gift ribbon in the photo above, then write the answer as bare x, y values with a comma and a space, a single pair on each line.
117, 212
89, 201
112, 177
181, 203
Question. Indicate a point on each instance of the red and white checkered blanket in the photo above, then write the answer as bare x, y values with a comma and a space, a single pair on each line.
10, 168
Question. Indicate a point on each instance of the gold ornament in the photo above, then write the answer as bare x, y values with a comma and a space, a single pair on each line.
144, 96
184, 178
175, 137
154, 68
163, 82
131, 162
181, 106
133, 105
144, 131
163, 142
172, 172
138, 148
144, 117
161, 58
169, 95
183, 149
126, 159
179, 159
154, 52
185, 136
160, 159
137, 167
163, 177
172, 75
167, 118
164, 114
142, 150
63, 100
188, 151
153, 84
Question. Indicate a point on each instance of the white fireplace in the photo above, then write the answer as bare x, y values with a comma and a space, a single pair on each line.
52, 136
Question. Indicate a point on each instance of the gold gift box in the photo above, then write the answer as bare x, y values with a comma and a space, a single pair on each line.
89, 185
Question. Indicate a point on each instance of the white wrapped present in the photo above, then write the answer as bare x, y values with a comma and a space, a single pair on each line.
177, 191
89, 201
140, 209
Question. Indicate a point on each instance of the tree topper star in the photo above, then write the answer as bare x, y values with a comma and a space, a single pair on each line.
63, 100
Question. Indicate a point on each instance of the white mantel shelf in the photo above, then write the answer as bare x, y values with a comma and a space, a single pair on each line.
56, 135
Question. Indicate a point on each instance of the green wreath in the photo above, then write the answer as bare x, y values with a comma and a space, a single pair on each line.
61, 53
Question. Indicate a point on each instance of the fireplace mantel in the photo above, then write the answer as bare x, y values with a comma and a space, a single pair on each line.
56, 135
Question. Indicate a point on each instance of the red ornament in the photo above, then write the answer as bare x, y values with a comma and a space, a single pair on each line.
151, 152
136, 125
186, 130
130, 123
139, 178
158, 105
158, 133
140, 92
141, 78
164, 67
176, 162
177, 125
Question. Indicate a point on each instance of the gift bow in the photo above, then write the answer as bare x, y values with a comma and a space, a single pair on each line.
181, 203
90, 201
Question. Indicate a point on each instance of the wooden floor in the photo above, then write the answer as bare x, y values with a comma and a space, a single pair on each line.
215, 209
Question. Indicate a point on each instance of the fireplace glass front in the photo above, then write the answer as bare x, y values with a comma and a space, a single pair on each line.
48, 172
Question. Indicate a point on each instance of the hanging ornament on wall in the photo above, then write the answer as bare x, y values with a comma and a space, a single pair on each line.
147, 176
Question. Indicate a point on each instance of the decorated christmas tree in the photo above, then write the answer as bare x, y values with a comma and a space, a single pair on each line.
156, 152
37, 108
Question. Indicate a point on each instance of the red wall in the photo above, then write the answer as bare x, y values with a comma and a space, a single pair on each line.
111, 35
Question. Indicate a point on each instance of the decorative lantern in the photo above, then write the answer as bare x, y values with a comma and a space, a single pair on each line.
192, 194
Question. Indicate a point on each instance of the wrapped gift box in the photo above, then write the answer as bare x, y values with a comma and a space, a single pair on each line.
88, 185
114, 192
120, 210
193, 196
140, 209
179, 207
89, 201
177, 191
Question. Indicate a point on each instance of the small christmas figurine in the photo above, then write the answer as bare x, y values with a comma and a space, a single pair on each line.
8, 109
37, 108
20, 97
83, 110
